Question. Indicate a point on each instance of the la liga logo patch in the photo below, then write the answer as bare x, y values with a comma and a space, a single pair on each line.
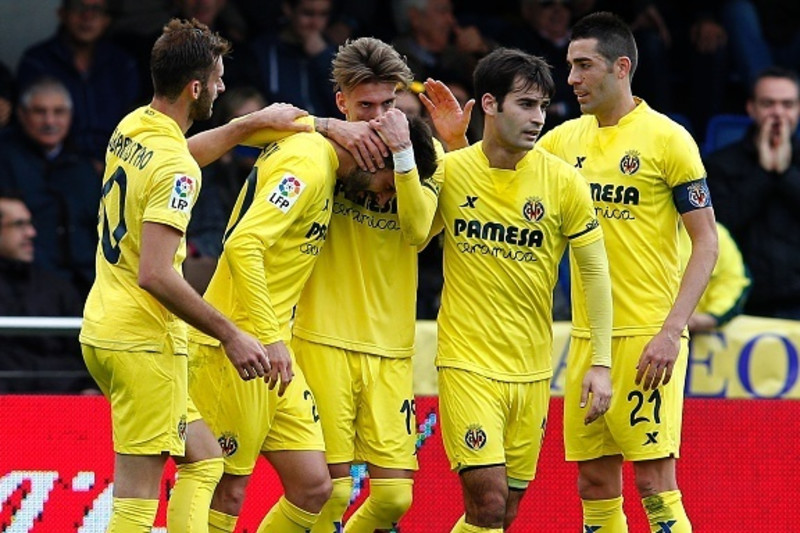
286, 193
183, 192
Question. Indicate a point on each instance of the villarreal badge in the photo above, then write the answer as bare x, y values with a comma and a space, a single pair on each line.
228, 443
475, 437
182, 428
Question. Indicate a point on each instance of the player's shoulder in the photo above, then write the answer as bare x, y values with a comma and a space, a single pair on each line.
660, 124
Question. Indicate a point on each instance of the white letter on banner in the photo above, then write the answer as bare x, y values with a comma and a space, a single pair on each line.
33, 503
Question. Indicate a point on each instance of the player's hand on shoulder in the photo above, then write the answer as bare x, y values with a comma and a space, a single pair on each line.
392, 127
280, 366
597, 384
247, 355
658, 360
278, 117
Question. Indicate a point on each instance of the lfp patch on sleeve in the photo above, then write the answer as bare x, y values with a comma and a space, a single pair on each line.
182, 197
286, 193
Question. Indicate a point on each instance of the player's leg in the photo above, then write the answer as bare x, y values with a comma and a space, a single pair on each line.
473, 414
237, 416
329, 376
528, 407
386, 431
198, 473
592, 446
296, 449
658, 420
138, 385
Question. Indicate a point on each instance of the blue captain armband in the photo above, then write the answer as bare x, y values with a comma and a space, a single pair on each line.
691, 195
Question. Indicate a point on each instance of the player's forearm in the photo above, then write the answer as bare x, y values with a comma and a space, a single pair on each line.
416, 207
175, 293
208, 146
592, 265
694, 282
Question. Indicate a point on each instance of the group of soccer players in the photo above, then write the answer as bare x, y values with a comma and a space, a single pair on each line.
613, 184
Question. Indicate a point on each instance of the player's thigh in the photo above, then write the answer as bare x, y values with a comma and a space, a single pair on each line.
237, 412
330, 379
525, 430
473, 415
296, 424
386, 422
645, 424
148, 396
584, 442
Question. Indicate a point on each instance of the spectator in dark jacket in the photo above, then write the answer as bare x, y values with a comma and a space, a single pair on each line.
59, 185
26, 290
755, 186
102, 79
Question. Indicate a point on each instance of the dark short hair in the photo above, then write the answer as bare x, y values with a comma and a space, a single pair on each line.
614, 37
774, 72
497, 73
14, 195
185, 51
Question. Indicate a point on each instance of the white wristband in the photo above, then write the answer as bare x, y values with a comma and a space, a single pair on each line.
404, 160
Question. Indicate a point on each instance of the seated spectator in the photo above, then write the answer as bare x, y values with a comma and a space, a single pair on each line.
727, 289
294, 64
26, 290
59, 185
435, 45
102, 79
755, 188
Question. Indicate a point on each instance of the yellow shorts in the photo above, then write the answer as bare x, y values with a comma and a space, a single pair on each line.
639, 424
246, 417
488, 422
366, 403
148, 396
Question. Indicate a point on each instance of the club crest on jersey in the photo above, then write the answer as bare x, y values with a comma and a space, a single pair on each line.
182, 193
228, 443
286, 193
698, 194
182, 428
533, 210
475, 438
629, 164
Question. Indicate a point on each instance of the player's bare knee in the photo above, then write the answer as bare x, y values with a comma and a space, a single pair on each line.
229, 495
487, 509
653, 477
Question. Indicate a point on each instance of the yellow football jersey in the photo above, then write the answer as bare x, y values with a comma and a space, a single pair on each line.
639, 171
505, 233
363, 291
274, 236
150, 176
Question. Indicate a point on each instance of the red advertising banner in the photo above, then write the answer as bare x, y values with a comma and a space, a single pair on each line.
739, 461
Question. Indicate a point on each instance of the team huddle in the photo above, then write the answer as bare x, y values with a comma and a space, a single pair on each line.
300, 349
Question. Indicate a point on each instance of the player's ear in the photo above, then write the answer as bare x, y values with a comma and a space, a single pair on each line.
489, 104
341, 102
196, 88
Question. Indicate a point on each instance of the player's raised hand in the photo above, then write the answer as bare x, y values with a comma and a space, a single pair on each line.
281, 366
278, 117
361, 141
449, 119
392, 127
657, 360
597, 383
247, 355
